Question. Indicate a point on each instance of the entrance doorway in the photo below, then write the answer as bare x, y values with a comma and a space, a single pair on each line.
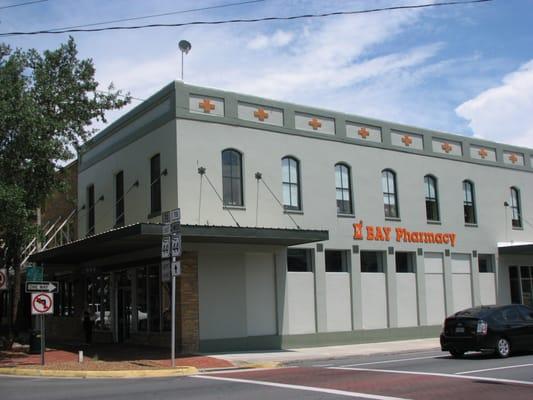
124, 304
521, 284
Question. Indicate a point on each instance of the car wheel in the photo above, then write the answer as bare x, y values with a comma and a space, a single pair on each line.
457, 353
503, 348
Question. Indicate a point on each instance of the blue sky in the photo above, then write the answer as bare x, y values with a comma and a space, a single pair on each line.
462, 69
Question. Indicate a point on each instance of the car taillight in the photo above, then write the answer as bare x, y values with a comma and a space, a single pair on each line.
482, 327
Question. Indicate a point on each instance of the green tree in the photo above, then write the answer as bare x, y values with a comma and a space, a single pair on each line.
48, 103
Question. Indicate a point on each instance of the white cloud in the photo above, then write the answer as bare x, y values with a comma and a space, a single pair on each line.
278, 39
504, 113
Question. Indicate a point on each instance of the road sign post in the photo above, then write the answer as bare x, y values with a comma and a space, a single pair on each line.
170, 251
42, 303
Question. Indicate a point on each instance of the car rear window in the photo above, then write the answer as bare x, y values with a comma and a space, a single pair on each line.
527, 313
476, 312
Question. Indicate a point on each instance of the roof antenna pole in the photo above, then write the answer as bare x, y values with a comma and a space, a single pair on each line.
185, 47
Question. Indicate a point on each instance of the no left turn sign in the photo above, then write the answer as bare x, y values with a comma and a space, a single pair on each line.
42, 303
3, 279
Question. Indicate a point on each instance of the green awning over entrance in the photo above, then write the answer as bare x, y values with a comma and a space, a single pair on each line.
143, 236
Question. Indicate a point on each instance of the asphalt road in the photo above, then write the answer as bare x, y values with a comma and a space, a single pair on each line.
420, 376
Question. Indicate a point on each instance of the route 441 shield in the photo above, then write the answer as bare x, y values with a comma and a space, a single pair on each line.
42, 303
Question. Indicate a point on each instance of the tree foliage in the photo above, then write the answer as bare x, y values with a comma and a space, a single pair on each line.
48, 104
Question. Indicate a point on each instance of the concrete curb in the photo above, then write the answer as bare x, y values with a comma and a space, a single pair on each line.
259, 365
144, 373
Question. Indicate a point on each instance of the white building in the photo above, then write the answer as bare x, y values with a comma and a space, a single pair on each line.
301, 226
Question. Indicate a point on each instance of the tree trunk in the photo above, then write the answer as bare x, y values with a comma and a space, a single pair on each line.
15, 297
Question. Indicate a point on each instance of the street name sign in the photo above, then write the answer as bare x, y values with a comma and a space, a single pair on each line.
46, 286
42, 303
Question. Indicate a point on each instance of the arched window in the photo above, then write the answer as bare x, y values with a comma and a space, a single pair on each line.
390, 199
516, 211
232, 178
469, 202
432, 199
290, 172
343, 189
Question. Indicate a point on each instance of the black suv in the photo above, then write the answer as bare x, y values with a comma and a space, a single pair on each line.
500, 329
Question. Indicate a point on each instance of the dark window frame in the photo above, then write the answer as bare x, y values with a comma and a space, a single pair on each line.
293, 182
91, 216
469, 205
516, 208
337, 260
344, 206
294, 256
119, 199
391, 211
155, 184
431, 199
236, 197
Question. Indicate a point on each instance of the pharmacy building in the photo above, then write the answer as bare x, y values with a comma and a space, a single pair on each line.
300, 226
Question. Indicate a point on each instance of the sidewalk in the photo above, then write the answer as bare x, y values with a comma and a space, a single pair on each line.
329, 352
130, 361
106, 358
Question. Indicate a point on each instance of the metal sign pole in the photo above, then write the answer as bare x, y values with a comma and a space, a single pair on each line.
42, 339
173, 335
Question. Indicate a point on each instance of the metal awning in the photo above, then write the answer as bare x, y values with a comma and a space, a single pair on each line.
143, 236
525, 248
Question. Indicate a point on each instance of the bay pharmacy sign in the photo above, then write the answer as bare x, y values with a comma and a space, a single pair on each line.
399, 234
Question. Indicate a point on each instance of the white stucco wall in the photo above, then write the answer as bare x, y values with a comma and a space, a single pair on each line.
339, 302
374, 293
222, 295
487, 285
260, 294
134, 161
301, 302
407, 300
434, 280
461, 281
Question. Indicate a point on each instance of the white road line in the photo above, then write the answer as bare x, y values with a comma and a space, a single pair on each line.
390, 361
323, 365
299, 387
469, 377
493, 369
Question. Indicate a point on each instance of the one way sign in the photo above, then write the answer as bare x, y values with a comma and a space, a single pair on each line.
46, 286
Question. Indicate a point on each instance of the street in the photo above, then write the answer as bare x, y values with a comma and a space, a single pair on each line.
415, 375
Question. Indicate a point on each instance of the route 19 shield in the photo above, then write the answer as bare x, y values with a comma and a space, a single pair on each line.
42, 303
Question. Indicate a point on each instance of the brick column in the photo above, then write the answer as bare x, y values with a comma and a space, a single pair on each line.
187, 309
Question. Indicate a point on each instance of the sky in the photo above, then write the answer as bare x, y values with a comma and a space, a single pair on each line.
464, 69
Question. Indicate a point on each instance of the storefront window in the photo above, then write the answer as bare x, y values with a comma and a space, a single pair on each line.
98, 290
142, 309
166, 306
153, 298
372, 261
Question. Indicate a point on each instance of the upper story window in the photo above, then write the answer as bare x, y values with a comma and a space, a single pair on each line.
291, 183
469, 203
90, 210
119, 199
516, 210
232, 178
390, 198
155, 184
343, 189
432, 199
